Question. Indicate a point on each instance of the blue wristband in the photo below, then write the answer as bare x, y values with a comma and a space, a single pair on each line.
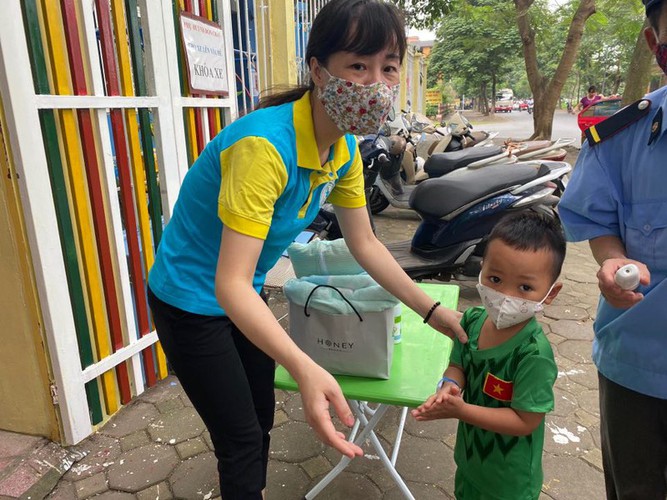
447, 379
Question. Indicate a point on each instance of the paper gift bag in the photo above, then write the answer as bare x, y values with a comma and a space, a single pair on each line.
359, 343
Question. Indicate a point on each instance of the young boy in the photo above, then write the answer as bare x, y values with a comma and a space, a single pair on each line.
500, 384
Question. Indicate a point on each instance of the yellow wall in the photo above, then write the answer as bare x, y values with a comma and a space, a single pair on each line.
414, 98
282, 45
281, 60
24, 382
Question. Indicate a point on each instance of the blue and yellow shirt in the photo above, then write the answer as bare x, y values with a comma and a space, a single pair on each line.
261, 176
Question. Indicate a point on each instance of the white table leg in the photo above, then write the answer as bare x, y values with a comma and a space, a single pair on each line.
399, 435
368, 431
389, 464
344, 461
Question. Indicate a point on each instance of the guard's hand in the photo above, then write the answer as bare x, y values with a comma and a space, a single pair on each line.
614, 294
318, 390
448, 322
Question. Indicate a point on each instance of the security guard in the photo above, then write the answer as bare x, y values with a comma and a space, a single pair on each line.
617, 199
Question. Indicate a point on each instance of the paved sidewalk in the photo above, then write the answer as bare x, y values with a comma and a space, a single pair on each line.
157, 447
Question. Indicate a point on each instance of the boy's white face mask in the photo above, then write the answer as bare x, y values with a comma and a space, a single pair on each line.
505, 310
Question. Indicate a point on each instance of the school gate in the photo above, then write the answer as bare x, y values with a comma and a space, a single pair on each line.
99, 123
98, 127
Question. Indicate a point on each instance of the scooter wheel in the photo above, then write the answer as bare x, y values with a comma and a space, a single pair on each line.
377, 201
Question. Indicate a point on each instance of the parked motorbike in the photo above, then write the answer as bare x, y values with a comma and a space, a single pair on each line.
458, 134
382, 160
440, 164
541, 149
459, 210
511, 152
424, 138
389, 186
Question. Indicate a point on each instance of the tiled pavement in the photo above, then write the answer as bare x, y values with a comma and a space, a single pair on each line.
157, 447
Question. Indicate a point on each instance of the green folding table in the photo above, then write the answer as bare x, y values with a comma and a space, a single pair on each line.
417, 365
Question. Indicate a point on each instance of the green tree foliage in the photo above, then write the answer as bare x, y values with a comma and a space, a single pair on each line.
607, 48
423, 13
638, 74
476, 46
565, 46
546, 89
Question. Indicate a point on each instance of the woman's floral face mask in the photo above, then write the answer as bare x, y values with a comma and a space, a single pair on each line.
356, 108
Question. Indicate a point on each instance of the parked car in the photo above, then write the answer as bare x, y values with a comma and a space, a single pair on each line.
503, 106
597, 112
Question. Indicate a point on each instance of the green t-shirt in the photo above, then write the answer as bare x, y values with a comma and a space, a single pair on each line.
519, 374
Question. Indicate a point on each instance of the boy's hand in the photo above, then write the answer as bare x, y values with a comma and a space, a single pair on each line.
446, 403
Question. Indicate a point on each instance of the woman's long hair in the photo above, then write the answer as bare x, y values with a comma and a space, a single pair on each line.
360, 26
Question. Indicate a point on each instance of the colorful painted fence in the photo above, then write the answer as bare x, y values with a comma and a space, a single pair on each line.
105, 130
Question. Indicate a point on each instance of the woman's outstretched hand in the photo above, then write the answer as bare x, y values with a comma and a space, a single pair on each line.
319, 390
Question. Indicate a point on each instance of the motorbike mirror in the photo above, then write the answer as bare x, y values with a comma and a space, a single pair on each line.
465, 121
406, 123
385, 129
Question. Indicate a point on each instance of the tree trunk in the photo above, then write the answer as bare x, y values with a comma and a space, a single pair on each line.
546, 92
493, 94
483, 99
618, 79
639, 71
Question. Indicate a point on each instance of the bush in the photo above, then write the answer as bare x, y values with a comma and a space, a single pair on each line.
431, 110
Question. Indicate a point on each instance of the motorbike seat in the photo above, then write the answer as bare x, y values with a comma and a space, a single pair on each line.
439, 164
477, 136
443, 196
529, 146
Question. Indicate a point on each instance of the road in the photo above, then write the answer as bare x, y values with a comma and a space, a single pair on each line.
519, 125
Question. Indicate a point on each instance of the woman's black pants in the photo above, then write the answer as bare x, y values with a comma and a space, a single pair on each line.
230, 383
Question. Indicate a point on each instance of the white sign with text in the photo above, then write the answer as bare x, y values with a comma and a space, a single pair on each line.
204, 48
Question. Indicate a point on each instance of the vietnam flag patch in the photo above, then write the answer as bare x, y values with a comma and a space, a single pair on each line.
497, 388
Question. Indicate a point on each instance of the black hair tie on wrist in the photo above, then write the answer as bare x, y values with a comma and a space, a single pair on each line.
430, 312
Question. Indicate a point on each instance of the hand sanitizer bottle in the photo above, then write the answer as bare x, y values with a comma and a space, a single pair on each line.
396, 330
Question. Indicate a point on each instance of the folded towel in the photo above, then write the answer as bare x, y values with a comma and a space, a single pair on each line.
360, 289
322, 257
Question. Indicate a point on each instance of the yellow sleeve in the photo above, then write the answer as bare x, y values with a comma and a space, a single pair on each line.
253, 177
349, 191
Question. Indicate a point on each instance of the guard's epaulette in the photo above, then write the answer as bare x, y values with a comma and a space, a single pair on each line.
617, 122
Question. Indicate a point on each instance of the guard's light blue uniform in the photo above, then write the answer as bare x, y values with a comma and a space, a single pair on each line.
619, 188
262, 177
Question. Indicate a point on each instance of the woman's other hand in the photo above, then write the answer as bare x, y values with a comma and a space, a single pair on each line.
448, 322
319, 390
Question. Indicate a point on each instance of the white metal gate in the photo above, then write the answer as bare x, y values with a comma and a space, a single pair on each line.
81, 109
304, 14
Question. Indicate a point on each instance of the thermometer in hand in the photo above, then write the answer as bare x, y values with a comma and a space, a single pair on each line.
627, 277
